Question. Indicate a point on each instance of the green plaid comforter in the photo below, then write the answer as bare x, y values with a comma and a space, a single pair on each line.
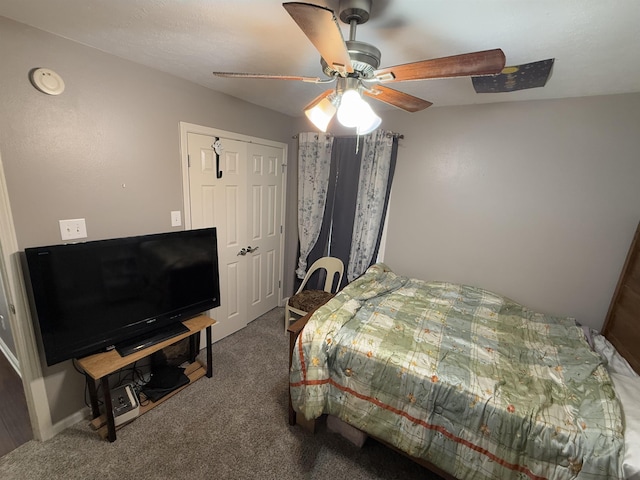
473, 382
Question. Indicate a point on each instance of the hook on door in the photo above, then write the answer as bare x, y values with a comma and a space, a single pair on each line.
217, 148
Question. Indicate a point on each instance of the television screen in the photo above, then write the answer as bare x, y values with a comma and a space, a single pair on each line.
96, 295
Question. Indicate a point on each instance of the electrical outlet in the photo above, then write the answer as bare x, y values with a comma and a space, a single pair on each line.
176, 218
72, 229
2, 324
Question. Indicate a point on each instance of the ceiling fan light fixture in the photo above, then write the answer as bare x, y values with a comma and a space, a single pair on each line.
351, 64
321, 113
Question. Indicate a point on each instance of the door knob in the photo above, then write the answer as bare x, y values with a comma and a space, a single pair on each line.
251, 250
242, 252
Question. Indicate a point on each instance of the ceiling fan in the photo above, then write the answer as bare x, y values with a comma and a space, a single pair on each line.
354, 67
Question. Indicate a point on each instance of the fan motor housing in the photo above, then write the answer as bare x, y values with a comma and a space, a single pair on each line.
365, 59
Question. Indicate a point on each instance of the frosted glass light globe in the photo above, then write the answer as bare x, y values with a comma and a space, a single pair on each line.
349, 109
368, 121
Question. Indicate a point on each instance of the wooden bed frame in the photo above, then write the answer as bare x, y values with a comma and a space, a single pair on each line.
621, 328
622, 325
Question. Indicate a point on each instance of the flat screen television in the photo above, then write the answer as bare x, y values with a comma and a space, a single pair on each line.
123, 293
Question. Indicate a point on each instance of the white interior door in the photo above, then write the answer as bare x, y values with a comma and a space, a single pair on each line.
222, 203
264, 232
245, 205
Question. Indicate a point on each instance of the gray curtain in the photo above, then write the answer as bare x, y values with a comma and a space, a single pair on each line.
337, 232
314, 162
371, 202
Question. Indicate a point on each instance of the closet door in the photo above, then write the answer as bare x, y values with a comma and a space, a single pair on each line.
243, 199
264, 235
222, 203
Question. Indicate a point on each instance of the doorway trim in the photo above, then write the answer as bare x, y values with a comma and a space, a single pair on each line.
185, 129
20, 320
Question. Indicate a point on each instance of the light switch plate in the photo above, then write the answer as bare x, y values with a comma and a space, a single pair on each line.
73, 229
176, 218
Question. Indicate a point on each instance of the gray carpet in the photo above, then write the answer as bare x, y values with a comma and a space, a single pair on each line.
232, 426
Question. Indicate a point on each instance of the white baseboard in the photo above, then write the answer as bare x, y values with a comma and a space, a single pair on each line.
82, 414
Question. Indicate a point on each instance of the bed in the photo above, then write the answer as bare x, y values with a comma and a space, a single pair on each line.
471, 384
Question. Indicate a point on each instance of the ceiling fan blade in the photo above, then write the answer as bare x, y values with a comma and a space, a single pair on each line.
487, 62
397, 99
269, 77
320, 26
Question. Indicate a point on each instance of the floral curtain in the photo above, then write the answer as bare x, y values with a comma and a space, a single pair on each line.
314, 162
372, 190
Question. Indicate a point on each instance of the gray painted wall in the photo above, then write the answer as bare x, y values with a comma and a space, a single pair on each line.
535, 200
106, 150
538, 201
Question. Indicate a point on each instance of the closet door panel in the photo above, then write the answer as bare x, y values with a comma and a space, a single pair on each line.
221, 203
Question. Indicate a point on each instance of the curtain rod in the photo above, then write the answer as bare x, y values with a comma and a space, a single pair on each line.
395, 134
389, 134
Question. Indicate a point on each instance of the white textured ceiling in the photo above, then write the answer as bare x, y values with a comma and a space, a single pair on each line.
595, 43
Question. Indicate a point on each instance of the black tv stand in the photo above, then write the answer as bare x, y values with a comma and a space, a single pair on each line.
136, 344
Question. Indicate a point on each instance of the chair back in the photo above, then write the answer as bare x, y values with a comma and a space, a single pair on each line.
332, 265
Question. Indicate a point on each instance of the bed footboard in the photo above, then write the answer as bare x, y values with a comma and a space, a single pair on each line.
294, 330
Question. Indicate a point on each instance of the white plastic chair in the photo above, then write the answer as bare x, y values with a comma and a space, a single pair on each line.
303, 301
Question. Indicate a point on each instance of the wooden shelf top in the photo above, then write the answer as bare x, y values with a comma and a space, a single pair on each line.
105, 363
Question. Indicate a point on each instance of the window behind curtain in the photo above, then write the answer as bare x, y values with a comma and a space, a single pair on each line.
337, 224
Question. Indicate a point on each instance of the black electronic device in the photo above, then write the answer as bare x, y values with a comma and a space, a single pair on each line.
121, 292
